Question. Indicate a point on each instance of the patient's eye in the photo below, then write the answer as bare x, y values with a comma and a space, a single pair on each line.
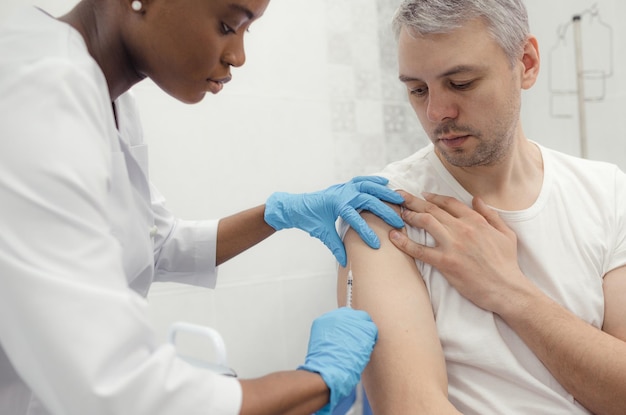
418, 91
461, 86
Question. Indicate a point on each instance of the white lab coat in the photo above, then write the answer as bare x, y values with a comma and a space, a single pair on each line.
79, 224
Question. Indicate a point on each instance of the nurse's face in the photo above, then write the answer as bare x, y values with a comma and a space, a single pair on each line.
187, 47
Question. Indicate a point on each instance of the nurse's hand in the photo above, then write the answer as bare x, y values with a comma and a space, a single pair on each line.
317, 212
340, 346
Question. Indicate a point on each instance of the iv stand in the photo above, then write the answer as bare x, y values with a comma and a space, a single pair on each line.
582, 121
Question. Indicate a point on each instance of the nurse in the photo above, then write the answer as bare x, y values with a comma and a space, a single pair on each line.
83, 234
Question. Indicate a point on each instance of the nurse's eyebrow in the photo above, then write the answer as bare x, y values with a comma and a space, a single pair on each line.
242, 9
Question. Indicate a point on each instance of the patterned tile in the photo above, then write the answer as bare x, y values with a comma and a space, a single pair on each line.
371, 120
395, 118
343, 116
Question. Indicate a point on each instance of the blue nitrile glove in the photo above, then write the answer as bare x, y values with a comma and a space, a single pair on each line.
317, 212
340, 346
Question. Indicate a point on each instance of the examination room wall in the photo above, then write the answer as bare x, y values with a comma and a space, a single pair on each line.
318, 102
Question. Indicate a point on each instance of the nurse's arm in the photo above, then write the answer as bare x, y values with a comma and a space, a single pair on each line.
406, 373
296, 392
241, 231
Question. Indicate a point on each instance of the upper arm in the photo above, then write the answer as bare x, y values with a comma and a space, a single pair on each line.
407, 368
615, 303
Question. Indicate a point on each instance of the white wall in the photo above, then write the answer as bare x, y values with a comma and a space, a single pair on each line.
606, 128
317, 102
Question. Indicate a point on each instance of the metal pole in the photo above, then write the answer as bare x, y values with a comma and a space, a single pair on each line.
580, 81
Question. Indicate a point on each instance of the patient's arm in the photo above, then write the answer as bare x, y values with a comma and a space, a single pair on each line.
406, 374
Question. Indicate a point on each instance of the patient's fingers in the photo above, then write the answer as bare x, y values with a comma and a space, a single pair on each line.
449, 204
420, 252
420, 205
430, 223
420, 213
441, 207
411, 201
439, 215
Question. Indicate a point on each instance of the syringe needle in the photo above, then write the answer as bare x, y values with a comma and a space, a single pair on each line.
349, 289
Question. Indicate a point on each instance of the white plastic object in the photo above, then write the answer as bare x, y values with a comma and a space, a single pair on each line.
220, 365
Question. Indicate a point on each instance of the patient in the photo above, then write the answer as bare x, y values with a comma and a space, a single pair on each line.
524, 311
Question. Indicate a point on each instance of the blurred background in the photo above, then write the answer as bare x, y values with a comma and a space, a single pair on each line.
318, 102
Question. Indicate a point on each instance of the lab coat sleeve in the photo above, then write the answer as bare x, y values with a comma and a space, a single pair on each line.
184, 250
70, 326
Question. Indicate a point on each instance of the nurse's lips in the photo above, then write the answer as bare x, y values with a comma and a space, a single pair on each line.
216, 85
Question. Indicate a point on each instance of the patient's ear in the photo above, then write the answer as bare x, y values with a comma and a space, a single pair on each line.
531, 62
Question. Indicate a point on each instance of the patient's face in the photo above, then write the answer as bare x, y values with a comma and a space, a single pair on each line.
464, 91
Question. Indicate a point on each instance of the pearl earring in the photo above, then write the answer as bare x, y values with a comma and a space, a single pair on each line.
136, 5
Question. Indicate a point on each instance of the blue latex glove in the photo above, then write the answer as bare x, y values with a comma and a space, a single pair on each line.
340, 346
317, 212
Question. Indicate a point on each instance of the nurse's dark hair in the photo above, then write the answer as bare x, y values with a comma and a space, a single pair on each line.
507, 20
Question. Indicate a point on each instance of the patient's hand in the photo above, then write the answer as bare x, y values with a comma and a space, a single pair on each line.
475, 250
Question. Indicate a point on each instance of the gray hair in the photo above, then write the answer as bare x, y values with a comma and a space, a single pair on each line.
507, 20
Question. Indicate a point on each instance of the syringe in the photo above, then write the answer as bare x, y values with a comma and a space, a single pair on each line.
349, 289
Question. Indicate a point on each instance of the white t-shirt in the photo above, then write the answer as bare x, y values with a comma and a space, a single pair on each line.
568, 240
79, 225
